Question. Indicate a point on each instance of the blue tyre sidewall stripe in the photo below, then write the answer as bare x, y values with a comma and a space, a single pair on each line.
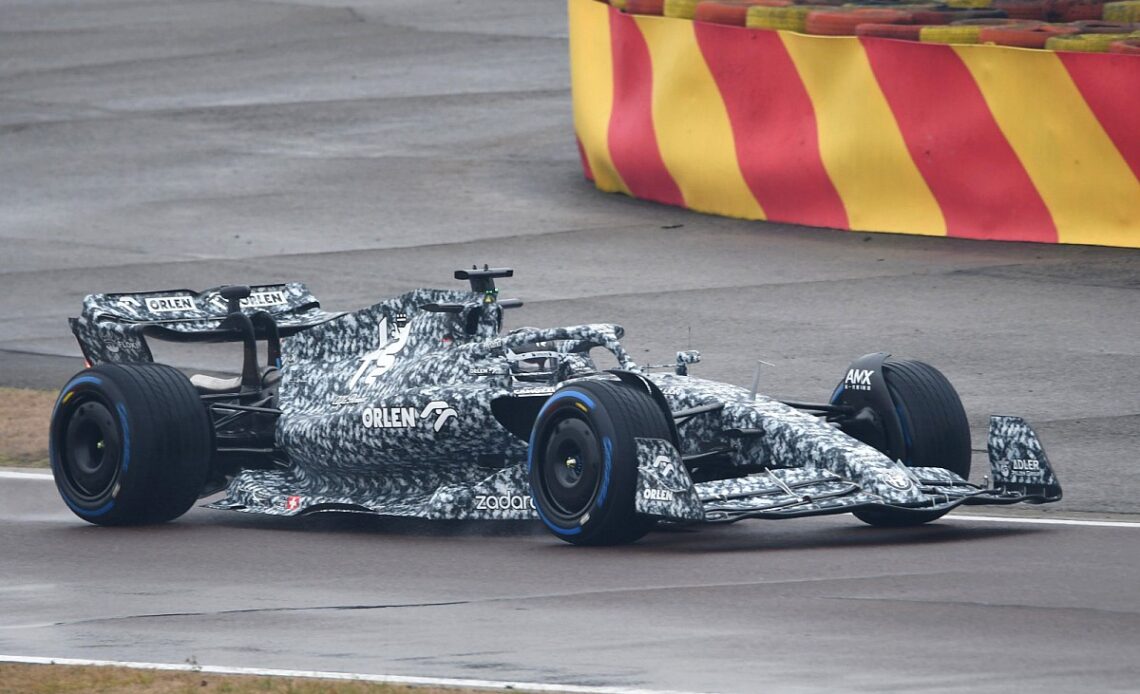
122, 411
607, 466
71, 385
586, 400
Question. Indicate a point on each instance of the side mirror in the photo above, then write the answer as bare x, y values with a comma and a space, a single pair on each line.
686, 357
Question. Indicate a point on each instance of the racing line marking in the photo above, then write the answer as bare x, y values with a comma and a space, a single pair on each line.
343, 676
14, 475
1045, 521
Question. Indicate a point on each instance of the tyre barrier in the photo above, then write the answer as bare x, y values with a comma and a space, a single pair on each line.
843, 23
1077, 10
906, 32
1126, 47
648, 7
1086, 43
1023, 35
731, 12
1128, 11
969, 4
949, 16
952, 33
793, 18
862, 132
680, 9
830, 18
1102, 27
1024, 9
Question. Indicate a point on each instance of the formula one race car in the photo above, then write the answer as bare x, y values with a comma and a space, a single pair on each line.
419, 406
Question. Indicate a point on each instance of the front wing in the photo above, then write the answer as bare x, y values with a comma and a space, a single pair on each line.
1019, 472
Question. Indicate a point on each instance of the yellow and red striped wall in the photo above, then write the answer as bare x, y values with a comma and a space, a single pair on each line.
870, 134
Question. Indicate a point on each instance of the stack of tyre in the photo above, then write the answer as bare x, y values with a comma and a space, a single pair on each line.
1060, 25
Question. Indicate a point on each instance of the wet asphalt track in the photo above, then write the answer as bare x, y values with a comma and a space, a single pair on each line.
374, 148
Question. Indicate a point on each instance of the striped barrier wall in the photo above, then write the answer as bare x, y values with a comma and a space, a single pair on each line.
861, 133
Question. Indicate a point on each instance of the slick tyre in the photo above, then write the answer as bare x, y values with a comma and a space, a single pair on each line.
129, 444
935, 432
583, 461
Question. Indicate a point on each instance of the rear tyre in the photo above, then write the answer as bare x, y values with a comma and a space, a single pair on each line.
935, 432
130, 444
583, 461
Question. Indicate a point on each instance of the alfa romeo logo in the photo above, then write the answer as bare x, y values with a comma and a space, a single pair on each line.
897, 479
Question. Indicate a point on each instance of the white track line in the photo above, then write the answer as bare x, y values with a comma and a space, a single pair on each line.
20, 475
1044, 521
15, 475
343, 676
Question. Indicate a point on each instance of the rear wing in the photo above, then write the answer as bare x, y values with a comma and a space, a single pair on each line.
114, 327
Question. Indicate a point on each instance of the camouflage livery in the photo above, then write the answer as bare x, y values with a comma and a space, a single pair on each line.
419, 406
664, 487
113, 327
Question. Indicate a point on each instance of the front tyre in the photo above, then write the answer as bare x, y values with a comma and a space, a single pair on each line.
130, 444
583, 461
935, 432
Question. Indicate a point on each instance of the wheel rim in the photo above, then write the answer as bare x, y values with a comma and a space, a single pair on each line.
90, 450
571, 467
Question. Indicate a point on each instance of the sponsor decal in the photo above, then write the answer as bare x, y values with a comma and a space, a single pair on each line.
298, 377
342, 400
657, 494
405, 417
389, 417
445, 413
897, 479
260, 299
535, 390
663, 467
858, 379
662, 474
375, 363
487, 371
292, 503
255, 300
1020, 466
1025, 465
116, 343
503, 502
170, 304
